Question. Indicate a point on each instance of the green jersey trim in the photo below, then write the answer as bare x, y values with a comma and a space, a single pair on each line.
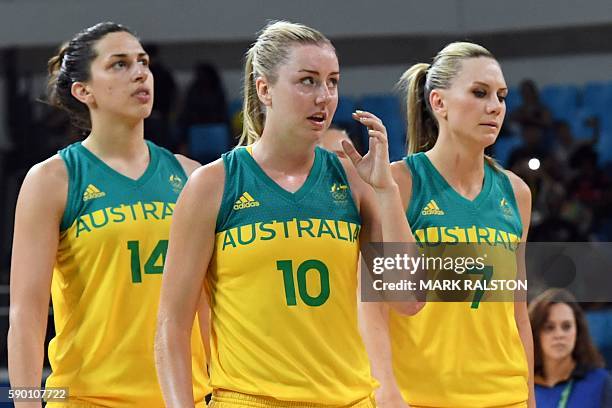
295, 197
84, 168
149, 171
478, 200
325, 193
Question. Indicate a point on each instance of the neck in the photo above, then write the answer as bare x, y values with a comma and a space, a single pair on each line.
461, 164
278, 150
557, 370
114, 138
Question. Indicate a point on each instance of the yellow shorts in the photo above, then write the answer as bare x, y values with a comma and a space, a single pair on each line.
519, 405
230, 399
74, 404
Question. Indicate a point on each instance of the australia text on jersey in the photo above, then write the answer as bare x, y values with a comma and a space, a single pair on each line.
294, 228
154, 210
473, 235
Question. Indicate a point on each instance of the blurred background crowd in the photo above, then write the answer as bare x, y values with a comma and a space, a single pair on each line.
557, 60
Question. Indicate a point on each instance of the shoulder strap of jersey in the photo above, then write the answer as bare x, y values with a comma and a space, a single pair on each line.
414, 162
168, 158
71, 157
506, 186
233, 183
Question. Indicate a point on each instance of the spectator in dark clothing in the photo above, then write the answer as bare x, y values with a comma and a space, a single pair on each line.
532, 112
158, 126
557, 223
205, 100
205, 104
532, 147
591, 186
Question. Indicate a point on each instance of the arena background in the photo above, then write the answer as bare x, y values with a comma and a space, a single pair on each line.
564, 46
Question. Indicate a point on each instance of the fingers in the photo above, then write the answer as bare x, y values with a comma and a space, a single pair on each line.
366, 114
371, 121
351, 152
378, 136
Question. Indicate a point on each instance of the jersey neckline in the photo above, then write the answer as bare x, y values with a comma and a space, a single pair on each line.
311, 180
449, 190
144, 177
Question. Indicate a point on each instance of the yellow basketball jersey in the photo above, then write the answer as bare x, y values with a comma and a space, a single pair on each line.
107, 280
283, 287
462, 354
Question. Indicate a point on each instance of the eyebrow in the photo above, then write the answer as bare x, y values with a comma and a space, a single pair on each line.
317, 72
140, 54
559, 321
487, 85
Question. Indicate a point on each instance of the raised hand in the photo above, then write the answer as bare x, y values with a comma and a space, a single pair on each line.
374, 168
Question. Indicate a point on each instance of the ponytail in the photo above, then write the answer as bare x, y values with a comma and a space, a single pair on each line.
422, 130
252, 112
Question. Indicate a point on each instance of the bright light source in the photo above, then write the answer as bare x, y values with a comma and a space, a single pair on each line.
534, 164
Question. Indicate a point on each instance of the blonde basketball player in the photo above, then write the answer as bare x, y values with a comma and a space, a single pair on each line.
91, 227
273, 232
462, 354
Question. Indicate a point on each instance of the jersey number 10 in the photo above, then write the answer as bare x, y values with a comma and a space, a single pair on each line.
312, 264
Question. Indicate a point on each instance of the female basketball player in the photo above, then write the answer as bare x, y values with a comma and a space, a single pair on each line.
91, 227
462, 354
273, 230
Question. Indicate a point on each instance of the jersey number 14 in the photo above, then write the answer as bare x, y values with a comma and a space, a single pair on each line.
152, 266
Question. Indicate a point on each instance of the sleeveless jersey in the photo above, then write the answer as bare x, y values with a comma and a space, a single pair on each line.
107, 280
283, 284
462, 354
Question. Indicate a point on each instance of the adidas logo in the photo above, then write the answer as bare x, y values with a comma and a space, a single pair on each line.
92, 192
245, 201
432, 209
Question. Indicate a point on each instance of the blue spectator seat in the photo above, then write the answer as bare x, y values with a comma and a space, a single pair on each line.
513, 100
383, 106
234, 107
562, 100
396, 133
208, 142
600, 327
504, 146
604, 147
597, 97
389, 109
577, 123
343, 116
